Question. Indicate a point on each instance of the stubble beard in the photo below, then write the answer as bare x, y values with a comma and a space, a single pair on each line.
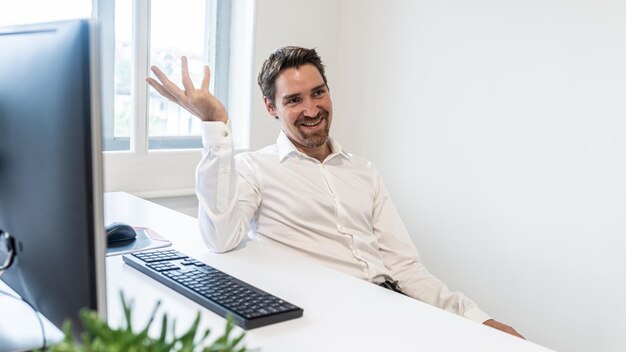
318, 138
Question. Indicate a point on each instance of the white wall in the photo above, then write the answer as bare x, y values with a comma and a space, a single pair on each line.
499, 127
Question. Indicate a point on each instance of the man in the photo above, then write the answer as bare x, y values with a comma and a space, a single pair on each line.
305, 193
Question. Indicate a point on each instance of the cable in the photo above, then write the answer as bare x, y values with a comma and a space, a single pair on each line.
7, 243
41, 328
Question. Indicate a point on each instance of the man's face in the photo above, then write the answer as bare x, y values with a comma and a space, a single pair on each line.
303, 106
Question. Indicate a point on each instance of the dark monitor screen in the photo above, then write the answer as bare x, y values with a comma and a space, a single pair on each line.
50, 167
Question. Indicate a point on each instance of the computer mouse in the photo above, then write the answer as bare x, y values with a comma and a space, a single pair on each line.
119, 233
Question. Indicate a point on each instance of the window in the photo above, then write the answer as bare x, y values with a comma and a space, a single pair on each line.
150, 144
151, 147
136, 118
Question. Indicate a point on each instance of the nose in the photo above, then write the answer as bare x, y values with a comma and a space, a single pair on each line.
310, 108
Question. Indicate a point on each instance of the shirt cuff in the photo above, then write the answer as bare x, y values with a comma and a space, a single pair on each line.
477, 315
216, 132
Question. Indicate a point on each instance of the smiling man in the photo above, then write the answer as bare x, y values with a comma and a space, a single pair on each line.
302, 101
305, 193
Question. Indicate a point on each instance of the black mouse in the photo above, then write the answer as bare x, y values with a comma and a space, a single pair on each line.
119, 233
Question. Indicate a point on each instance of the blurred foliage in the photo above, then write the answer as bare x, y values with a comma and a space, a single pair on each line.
98, 336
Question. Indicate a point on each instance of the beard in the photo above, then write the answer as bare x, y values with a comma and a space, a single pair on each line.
317, 138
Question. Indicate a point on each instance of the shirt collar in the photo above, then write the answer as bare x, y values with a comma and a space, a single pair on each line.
287, 149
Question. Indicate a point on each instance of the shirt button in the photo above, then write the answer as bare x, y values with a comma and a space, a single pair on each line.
225, 133
341, 228
355, 252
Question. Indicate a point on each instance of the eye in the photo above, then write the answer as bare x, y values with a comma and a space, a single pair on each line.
319, 92
292, 101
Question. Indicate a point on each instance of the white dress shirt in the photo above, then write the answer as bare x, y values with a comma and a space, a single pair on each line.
337, 212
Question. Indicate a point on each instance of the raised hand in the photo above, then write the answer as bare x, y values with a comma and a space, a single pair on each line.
200, 102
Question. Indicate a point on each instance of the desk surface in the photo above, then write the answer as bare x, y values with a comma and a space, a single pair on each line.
341, 313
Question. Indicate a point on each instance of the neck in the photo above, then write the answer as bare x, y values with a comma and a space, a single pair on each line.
320, 153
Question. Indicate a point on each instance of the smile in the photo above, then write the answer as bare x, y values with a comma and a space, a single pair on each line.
313, 123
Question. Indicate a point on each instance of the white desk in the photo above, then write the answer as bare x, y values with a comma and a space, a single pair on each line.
341, 313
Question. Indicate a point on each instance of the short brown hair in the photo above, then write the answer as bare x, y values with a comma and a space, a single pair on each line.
282, 59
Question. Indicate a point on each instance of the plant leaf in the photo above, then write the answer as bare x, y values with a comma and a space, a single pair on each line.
98, 336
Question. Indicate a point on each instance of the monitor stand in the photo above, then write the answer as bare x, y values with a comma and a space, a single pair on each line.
19, 327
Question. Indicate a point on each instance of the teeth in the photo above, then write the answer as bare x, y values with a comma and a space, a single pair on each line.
312, 124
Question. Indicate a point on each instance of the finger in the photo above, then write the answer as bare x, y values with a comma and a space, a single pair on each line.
160, 75
187, 83
168, 85
159, 88
515, 333
206, 79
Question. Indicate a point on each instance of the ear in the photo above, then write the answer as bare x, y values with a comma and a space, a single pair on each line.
269, 106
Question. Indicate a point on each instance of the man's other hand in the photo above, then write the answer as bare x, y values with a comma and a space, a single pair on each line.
503, 327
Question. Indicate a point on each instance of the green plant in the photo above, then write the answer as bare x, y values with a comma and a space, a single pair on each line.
98, 336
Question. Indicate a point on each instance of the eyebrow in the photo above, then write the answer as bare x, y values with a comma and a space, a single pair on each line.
287, 97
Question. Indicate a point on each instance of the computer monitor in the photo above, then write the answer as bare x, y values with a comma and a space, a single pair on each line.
51, 200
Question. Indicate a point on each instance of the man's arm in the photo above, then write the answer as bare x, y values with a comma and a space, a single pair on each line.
227, 199
402, 259
228, 194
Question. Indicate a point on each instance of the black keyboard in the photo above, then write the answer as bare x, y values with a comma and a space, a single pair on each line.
215, 290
